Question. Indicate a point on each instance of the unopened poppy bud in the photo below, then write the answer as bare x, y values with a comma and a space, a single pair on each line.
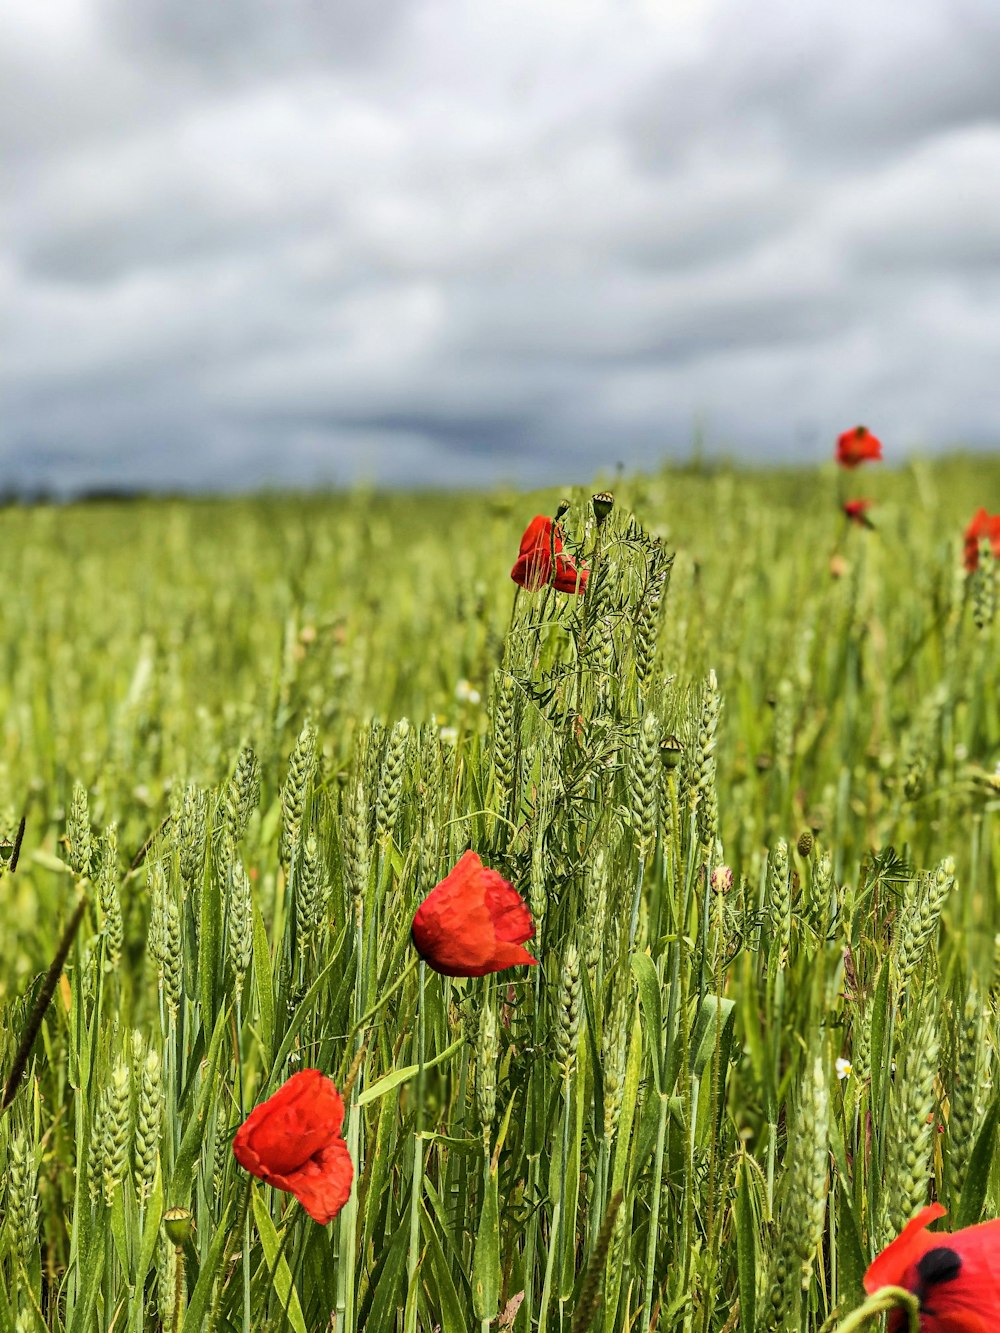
722, 879
670, 751
178, 1223
805, 843
562, 508
603, 503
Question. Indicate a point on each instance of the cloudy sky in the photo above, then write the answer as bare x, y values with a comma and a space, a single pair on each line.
291, 241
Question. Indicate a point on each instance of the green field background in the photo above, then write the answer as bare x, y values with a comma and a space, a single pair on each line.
647, 1131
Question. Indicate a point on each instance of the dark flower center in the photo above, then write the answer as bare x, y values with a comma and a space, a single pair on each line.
938, 1265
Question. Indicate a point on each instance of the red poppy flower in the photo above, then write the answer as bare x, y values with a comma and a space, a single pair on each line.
293, 1142
472, 923
956, 1275
858, 446
856, 511
981, 525
534, 565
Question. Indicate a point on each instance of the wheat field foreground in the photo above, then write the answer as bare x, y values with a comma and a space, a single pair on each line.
743, 773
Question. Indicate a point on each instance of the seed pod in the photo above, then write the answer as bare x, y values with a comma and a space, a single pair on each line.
702, 794
301, 765
506, 724
647, 629
22, 1197
311, 889
603, 503
108, 899
391, 783
354, 845
173, 962
109, 1142
487, 1052
178, 1224
643, 785
984, 588
912, 1105
240, 914
614, 1054
921, 919
78, 831
149, 1118
568, 1018
191, 836
242, 794
779, 904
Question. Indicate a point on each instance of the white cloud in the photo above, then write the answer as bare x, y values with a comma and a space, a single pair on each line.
427, 238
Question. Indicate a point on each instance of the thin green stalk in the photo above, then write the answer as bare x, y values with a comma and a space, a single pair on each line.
416, 1180
654, 1217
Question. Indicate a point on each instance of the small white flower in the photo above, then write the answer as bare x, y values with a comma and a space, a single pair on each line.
449, 735
843, 1067
466, 692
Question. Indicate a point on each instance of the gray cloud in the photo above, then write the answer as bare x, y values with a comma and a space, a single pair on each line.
417, 241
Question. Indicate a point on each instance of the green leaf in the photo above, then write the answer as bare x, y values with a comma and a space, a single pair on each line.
277, 1264
180, 1181
486, 1256
264, 982
447, 1306
850, 1256
713, 1012
302, 1012
977, 1179
194, 1316
147, 1246
389, 1282
6, 1314
389, 1081
118, 1227
881, 1038
649, 999
91, 1273
747, 1260
210, 946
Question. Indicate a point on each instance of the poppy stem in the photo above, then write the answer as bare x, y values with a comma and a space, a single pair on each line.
416, 1183
884, 1300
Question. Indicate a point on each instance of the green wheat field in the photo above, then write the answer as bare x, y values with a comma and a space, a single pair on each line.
750, 798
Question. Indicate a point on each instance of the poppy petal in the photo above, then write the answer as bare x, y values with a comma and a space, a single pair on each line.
472, 923
889, 1268
292, 1140
285, 1131
323, 1184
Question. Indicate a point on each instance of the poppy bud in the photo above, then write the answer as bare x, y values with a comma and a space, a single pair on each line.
722, 879
603, 503
805, 843
178, 1223
563, 508
670, 752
